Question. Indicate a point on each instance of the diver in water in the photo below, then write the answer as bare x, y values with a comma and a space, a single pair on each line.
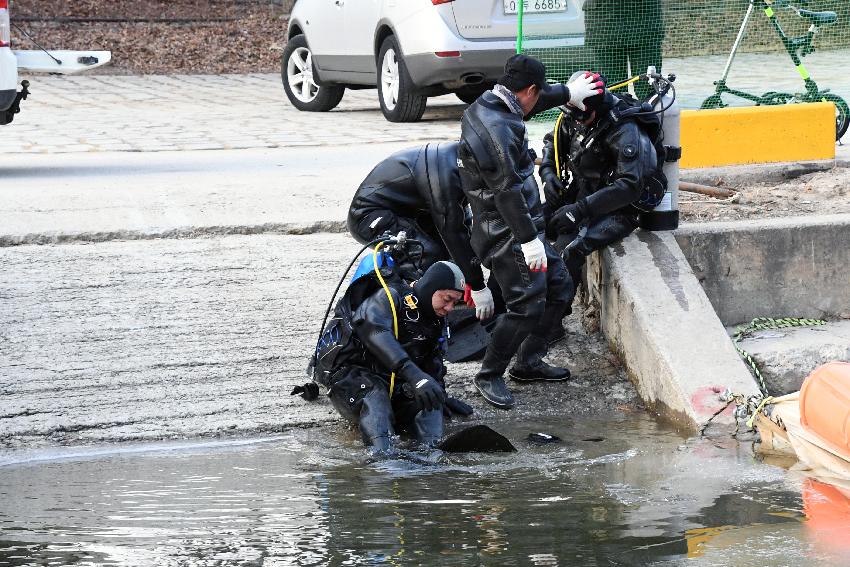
381, 356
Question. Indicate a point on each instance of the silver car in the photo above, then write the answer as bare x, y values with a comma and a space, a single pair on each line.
413, 49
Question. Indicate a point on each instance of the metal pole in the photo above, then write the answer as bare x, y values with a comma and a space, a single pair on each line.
519, 27
737, 41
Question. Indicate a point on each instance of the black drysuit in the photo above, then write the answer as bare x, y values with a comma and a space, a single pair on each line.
497, 176
360, 391
417, 190
608, 167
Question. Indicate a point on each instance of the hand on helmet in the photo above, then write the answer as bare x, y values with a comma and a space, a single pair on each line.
482, 300
535, 255
583, 87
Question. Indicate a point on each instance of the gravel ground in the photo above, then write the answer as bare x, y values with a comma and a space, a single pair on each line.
208, 36
819, 193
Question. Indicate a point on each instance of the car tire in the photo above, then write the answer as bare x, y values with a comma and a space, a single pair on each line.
396, 91
296, 71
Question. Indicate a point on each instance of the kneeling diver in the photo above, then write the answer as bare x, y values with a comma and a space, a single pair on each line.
391, 376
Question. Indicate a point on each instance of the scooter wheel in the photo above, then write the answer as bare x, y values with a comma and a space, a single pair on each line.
772, 98
842, 113
713, 101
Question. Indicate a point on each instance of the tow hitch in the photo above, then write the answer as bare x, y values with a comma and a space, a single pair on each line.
7, 116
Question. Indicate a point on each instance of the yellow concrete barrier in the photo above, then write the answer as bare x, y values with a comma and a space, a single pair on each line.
758, 134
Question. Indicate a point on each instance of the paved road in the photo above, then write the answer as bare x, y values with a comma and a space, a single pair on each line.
197, 112
127, 195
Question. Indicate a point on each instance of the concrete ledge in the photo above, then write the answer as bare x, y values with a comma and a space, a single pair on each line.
660, 323
91, 237
749, 174
788, 267
786, 356
758, 134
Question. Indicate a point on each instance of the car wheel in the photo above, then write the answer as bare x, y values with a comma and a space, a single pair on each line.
302, 90
396, 91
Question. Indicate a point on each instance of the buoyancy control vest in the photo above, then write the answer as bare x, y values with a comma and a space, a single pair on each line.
627, 109
339, 347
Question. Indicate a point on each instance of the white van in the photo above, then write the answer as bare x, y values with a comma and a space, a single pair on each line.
413, 49
61, 62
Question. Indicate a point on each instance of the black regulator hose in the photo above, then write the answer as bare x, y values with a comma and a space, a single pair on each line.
339, 285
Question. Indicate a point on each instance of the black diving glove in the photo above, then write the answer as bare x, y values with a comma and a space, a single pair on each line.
567, 219
552, 186
455, 406
427, 392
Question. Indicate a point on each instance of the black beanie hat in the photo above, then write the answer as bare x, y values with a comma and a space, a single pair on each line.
441, 275
522, 71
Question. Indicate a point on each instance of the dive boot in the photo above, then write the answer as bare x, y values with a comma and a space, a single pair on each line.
489, 381
494, 390
530, 366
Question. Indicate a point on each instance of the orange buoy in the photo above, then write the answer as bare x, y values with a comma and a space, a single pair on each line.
825, 405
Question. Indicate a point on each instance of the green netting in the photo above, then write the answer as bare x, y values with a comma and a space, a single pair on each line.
693, 39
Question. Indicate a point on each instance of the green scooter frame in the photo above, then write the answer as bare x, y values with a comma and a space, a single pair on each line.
796, 47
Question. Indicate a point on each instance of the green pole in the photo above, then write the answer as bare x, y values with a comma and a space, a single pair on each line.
519, 27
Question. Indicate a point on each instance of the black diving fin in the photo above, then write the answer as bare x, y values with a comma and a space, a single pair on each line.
468, 339
476, 439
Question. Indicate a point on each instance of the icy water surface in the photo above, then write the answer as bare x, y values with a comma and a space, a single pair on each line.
624, 491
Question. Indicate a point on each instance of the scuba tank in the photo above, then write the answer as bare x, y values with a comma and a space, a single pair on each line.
665, 216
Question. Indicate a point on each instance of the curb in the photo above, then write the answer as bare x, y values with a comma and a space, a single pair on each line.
94, 237
740, 175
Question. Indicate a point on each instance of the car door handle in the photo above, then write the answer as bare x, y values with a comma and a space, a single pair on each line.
339, 2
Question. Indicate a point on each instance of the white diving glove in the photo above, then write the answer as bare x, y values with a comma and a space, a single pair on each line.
484, 305
535, 255
586, 86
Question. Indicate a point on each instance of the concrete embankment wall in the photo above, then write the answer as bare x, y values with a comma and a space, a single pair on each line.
665, 299
660, 323
789, 267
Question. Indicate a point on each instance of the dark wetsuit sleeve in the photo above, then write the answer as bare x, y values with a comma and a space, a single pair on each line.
448, 220
550, 97
554, 199
635, 159
373, 324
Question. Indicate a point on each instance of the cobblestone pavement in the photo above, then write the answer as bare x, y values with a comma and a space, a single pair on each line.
200, 112
183, 112
207, 336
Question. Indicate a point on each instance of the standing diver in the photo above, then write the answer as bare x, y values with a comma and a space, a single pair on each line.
497, 177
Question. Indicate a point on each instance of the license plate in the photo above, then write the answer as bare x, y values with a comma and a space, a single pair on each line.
535, 6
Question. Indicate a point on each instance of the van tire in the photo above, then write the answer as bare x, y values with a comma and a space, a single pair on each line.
396, 92
302, 88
